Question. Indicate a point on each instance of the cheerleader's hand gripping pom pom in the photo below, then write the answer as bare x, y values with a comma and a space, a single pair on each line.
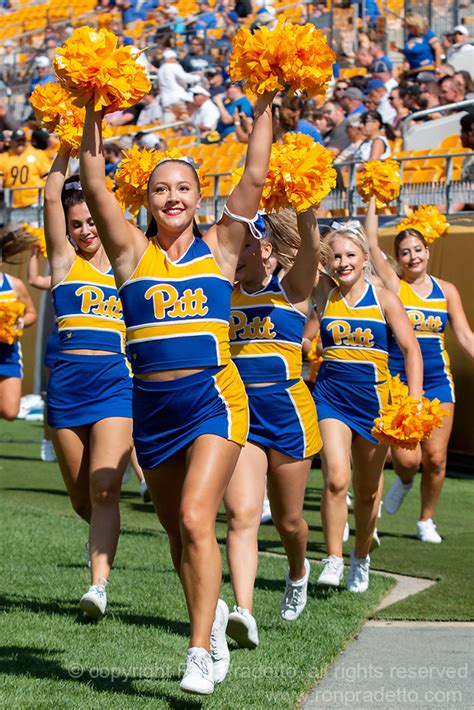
92, 67
407, 421
289, 57
299, 176
10, 314
380, 179
427, 220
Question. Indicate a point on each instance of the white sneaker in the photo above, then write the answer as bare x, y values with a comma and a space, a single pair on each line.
48, 454
198, 676
426, 532
128, 474
94, 602
266, 512
349, 500
294, 598
219, 650
375, 540
379, 512
358, 579
396, 495
333, 572
346, 532
145, 496
242, 627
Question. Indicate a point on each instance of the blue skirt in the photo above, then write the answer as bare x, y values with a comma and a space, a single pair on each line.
168, 416
350, 396
283, 418
84, 389
11, 364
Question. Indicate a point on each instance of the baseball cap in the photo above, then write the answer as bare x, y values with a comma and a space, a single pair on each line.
149, 140
423, 76
353, 93
265, 15
18, 135
170, 54
379, 67
461, 29
42, 62
199, 90
212, 71
375, 84
354, 120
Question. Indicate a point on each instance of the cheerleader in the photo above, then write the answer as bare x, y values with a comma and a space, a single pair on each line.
89, 390
12, 243
189, 404
357, 321
266, 330
430, 304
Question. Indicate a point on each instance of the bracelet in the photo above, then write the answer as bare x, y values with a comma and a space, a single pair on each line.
237, 123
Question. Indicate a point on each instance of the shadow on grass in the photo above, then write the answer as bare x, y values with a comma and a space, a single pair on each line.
37, 663
8, 457
49, 491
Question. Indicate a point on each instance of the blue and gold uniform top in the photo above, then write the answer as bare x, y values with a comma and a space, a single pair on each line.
177, 312
10, 353
88, 310
429, 317
356, 338
266, 332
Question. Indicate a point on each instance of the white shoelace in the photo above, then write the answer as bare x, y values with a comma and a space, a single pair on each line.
293, 597
199, 662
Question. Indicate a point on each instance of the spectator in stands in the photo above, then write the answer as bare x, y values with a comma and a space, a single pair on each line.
356, 137
450, 91
243, 8
173, 82
467, 140
151, 111
43, 75
127, 117
446, 70
265, 17
352, 101
463, 78
381, 70
378, 93
364, 58
375, 145
206, 114
7, 122
113, 156
206, 18
215, 77
197, 59
337, 139
127, 10
422, 49
234, 101
378, 55
339, 88
461, 41
429, 97
149, 140
410, 95
320, 16
291, 121
8, 61
23, 166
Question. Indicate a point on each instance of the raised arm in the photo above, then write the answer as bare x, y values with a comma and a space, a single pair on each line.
384, 271
123, 242
402, 329
60, 252
310, 331
21, 291
227, 238
299, 280
34, 277
458, 320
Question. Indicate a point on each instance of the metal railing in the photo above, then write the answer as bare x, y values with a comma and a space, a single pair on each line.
429, 111
446, 192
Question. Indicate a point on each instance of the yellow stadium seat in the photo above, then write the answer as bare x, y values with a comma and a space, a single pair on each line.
451, 142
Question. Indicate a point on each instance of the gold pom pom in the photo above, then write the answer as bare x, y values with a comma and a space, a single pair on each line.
299, 176
38, 234
292, 57
10, 312
427, 220
380, 179
92, 67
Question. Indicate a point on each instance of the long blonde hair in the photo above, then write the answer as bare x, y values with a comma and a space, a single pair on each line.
281, 231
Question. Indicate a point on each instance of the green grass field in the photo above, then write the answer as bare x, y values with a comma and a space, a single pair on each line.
134, 658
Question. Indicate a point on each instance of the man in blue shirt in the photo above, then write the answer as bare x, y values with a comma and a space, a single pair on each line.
43, 73
352, 101
291, 121
234, 101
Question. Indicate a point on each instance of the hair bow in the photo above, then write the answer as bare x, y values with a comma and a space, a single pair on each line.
351, 225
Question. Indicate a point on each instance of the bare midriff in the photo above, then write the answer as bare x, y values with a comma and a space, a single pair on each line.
86, 351
167, 375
